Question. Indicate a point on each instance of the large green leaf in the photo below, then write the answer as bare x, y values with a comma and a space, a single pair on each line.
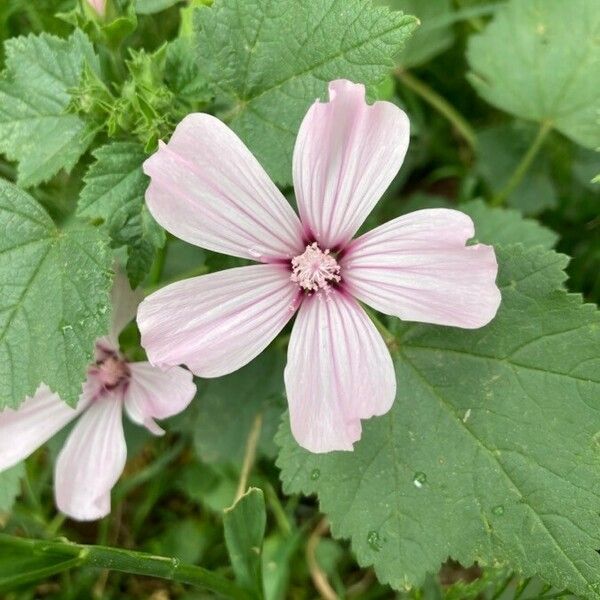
491, 452
114, 192
55, 299
433, 36
270, 60
540, 60
35, 90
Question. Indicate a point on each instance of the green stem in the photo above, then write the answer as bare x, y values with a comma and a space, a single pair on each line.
441, 105
158, 264
249, 455
125, 561
278, 511
517, 176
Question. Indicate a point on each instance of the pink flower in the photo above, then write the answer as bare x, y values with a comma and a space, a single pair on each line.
94, 455
99, 6
207, 189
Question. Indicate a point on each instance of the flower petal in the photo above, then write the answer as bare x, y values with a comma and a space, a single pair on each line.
217, 323
339, 371
124, 305
30, 426
208, 189
346, 155
91, 461
155, 394
418, 268
99, 6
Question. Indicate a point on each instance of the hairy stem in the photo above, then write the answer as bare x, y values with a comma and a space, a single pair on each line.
440, 104
521, 169
126, 561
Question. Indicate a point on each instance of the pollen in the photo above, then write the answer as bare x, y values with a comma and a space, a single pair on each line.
315, 270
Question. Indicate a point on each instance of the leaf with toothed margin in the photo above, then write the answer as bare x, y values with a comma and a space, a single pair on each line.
54, 301
269, 61
36, 128
491, 451
114, 193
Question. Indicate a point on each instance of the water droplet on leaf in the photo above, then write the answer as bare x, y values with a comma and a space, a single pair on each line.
374, 540
498, 510
419, 479
316, 473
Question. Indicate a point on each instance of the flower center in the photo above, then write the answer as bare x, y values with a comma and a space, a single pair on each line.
112, 371
315, 270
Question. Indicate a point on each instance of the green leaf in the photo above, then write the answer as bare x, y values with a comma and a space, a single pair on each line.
501, 226
540, 60
114, 192
227, 408
499, 151
434, 35
497, 428
35, 128
245, 524
10, 487
183, 75
55, 299
270, 60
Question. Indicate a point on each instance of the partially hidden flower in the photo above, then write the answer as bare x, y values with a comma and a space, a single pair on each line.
99, 6
207, 189
94, 455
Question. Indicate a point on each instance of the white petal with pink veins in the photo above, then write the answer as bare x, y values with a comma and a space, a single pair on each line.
155, 394
24, 430
346, 155
91, 461
217, 323
418, 268
339, 371
207, 189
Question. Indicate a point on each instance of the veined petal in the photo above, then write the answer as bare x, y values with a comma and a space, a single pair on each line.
91, 461
217, 323
124, 305
346, 155
339, 371
418, 268
207, 189
155, 394
24, 430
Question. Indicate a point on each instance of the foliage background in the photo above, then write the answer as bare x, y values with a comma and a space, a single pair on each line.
490, 455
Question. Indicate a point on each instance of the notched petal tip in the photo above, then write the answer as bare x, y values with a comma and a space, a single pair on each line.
418, 268
346, 155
